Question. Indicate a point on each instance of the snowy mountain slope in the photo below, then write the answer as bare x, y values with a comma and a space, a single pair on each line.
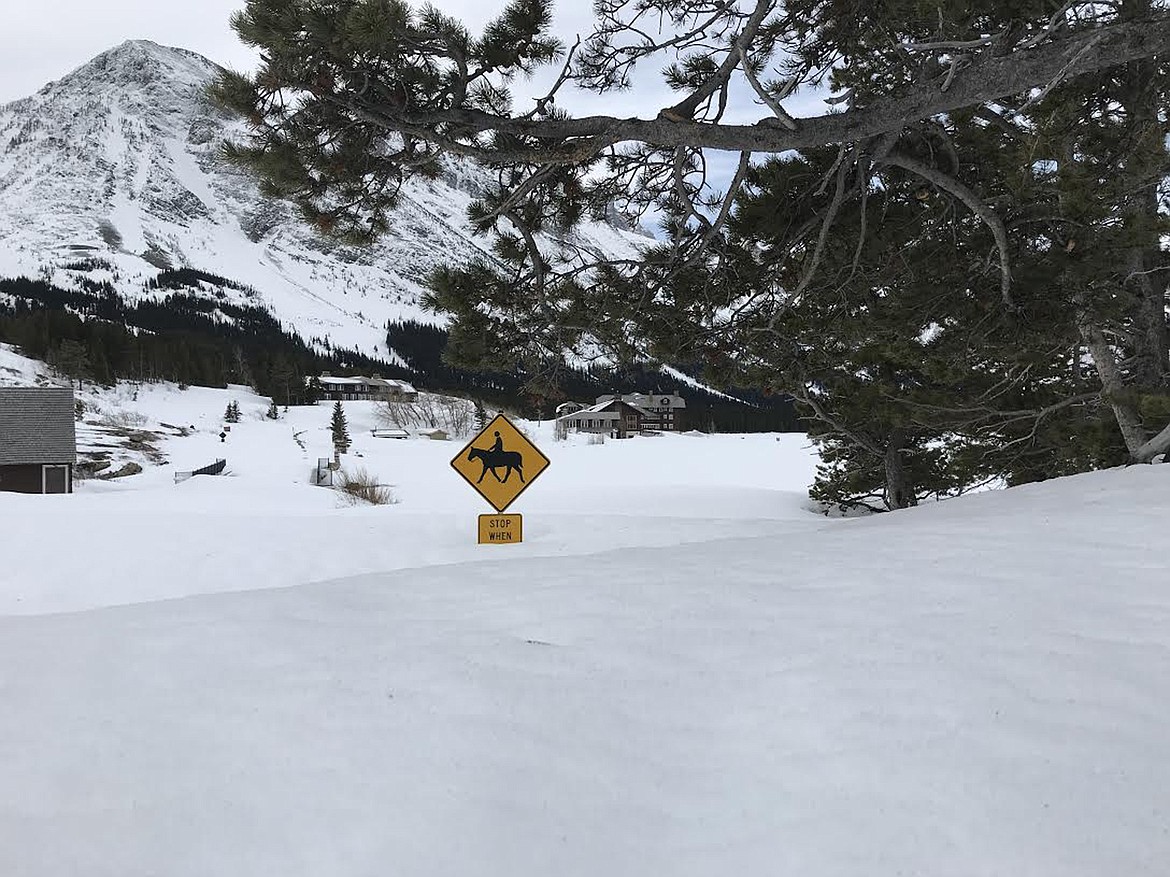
119, 161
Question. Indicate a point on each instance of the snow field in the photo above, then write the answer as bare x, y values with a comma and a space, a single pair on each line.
265, 525
681, 671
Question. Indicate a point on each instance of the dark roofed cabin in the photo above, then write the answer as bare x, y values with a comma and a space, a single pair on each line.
38, 441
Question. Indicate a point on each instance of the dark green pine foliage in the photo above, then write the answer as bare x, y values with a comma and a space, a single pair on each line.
72, 360
868, 282
232, 414
1074, 178
339, 428
915, 378
273, 412
328, 48
480, 415
1101, 163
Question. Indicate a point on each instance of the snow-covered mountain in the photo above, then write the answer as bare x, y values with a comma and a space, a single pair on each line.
119, 162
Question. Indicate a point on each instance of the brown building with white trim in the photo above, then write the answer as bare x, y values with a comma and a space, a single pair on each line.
361, 389
38, 440
661, 411
614, 418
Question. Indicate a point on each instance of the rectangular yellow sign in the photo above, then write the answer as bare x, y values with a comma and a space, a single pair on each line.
500, 529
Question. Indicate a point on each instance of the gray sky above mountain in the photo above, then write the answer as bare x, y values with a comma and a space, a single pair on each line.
42, 40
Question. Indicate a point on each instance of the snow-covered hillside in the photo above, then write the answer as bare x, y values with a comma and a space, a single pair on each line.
681, 671
119, 161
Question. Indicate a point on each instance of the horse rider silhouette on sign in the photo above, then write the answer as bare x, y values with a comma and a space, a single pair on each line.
496, 457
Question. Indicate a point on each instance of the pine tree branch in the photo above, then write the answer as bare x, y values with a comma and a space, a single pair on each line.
830, 217
803, 395
774, 105
987, 79
977, 206
685, 109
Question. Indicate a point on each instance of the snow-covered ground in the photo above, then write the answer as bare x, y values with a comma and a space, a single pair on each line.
147, 538
682, 671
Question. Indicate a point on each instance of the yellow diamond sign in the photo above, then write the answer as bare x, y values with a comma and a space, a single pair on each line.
500, 463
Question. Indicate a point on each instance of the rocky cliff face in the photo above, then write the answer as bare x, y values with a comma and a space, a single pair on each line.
113, 173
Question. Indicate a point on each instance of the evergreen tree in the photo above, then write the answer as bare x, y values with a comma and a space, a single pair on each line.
232, 413
313, 390
272, 413
480, 415
340, 429
385, 89
71, 359
1100, 146
287, 384
927, 269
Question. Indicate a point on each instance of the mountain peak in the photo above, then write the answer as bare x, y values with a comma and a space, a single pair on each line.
139, 63
116, 170
148, 49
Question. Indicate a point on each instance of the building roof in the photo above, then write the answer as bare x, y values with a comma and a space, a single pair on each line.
649, 400
610, 409
36, 426
359, 380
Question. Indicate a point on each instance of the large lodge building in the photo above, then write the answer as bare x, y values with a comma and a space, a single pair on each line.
358, 388
625, 415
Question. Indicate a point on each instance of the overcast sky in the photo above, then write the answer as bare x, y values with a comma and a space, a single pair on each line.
42, 40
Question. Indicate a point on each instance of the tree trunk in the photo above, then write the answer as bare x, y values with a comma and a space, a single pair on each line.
899, 489
1159, 444
1113, 386
1140, 98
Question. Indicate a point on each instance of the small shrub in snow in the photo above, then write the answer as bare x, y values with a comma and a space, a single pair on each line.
452, 414
124, 419
359, 486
